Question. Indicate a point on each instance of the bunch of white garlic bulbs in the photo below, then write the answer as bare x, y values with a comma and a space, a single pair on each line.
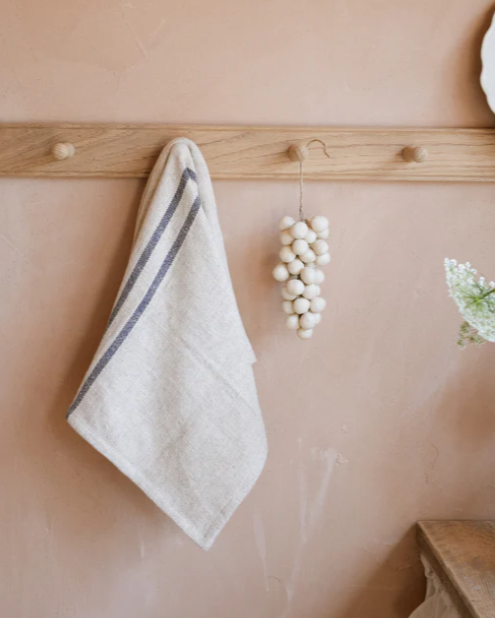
304, 249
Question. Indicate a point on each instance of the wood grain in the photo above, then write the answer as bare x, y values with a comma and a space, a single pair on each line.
462, 553
120, 151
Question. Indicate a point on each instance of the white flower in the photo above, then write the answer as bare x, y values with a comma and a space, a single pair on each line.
475, 300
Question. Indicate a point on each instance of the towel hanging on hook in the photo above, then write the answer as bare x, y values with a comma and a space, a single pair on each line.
170, 397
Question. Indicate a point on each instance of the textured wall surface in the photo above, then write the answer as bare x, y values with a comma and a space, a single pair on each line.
382, 384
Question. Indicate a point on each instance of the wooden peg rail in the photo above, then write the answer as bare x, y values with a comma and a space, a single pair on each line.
129, 151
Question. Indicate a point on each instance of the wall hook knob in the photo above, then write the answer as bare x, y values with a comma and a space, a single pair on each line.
63, 150
300, 152
415, 154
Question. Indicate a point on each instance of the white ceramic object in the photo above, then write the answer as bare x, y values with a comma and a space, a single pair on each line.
488, 65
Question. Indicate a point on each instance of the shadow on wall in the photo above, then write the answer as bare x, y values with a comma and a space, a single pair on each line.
74, 503
374, 596
466, 421
252, 256
96, 480
467, 434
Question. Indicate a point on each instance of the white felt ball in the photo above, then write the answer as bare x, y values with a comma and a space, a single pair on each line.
295, 266
292, 322
286, 254
320, 247
309, 256
295, 286
285, 223
311, 291
299, 230
303, 333
317, 304
300, 246
287, 307
324, 234
300, 305
310, 237
308, 275
324, 259
286, 295
308, 320
286, 238
319, 276
319, 223
317, 318
280, 272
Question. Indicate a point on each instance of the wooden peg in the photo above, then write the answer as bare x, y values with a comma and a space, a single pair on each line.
63, 150
415, 154
298, 152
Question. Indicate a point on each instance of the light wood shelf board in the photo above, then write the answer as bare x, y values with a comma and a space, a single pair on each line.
236, 152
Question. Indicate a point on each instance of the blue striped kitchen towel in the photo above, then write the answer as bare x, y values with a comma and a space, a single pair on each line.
170, 397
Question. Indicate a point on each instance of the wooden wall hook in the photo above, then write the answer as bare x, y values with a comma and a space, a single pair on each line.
63, 150
107, 150
415, 154
300, 152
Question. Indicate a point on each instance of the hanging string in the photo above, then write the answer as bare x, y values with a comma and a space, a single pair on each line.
302, 216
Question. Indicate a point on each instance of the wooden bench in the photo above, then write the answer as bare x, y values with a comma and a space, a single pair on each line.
462, 554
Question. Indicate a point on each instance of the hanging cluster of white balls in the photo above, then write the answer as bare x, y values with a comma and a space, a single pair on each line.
304, 249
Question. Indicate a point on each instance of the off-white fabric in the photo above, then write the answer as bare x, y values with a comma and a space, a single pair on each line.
170, 396
437, 603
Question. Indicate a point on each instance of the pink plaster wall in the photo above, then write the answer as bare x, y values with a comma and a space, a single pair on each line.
382, 384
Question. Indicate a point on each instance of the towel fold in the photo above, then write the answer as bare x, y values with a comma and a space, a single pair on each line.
170, 397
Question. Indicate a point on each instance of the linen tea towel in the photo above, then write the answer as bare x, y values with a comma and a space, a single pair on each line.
170, 396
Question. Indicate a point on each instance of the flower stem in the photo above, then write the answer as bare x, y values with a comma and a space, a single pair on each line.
487, 293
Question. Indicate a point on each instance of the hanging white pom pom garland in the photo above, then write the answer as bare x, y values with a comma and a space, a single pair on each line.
304, 250
300, 273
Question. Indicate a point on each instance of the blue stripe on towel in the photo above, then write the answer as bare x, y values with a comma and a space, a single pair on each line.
153, 241
126, 330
